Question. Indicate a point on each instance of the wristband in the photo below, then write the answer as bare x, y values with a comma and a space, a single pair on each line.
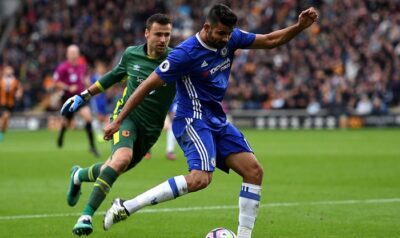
86, 95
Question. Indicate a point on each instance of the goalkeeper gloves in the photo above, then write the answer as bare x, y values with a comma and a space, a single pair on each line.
75, 102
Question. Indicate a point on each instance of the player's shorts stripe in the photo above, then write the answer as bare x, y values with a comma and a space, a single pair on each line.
249, 195
200, 148
116, 134
251, 149
195, 138
174, 188
204, 159
199, 145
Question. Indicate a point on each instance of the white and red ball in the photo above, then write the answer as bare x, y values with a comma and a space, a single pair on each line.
221, 233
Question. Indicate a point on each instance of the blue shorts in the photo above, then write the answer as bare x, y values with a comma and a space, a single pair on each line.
206, 148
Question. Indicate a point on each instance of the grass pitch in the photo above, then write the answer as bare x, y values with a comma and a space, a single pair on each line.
324, 184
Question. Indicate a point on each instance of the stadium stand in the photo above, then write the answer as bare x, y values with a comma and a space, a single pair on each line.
348, 63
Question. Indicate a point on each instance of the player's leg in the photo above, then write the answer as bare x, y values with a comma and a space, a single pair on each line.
246, 165
170, 134
170, 144
65, 123
86, 114
102, 185
120, 160
77, 177
108, 175
4, 118
239, 157
198, 145
166, 191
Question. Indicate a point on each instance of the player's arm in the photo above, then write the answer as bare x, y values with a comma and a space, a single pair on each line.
148, 85
117, 74
280, 37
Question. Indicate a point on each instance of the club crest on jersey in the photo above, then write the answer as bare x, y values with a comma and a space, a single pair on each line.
136, 67
164, 66
224, 52
213, 162
125, 133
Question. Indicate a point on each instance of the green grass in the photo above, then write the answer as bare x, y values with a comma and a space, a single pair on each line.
316, 184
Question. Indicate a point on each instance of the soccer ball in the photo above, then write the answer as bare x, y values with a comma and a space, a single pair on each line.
221, 233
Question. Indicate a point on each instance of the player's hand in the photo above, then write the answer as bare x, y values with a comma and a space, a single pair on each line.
110, 129
308, 17
72, 104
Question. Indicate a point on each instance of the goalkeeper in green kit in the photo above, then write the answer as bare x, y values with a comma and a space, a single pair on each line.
138, 132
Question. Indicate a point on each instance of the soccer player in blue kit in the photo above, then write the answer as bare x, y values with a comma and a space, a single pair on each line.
200, 66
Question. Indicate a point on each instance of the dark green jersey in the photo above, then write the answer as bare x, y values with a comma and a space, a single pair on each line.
135, 66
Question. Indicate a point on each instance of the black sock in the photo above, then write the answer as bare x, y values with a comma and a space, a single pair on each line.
60, 139
89, 132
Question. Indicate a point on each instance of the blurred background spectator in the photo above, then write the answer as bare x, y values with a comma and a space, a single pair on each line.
347, 63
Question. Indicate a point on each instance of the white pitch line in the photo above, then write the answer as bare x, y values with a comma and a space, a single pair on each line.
225, 207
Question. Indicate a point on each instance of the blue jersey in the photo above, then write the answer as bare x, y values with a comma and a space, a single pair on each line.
201, 74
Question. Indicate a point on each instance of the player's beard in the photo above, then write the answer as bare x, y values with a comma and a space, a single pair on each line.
160, 49
213, 42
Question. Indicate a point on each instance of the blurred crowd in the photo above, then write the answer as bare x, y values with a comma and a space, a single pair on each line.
347, 63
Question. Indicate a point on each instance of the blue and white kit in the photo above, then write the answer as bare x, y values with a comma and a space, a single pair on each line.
201, 74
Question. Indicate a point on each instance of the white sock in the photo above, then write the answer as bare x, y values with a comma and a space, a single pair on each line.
85, 217
76, 177
170, 141
170, 189
249, 202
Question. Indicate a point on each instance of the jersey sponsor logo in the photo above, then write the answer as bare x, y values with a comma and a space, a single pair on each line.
125, 133
164, 66
204, 64
224, 65
224, 52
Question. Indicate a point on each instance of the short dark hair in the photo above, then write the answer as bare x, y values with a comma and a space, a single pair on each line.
159, 18
223, 14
